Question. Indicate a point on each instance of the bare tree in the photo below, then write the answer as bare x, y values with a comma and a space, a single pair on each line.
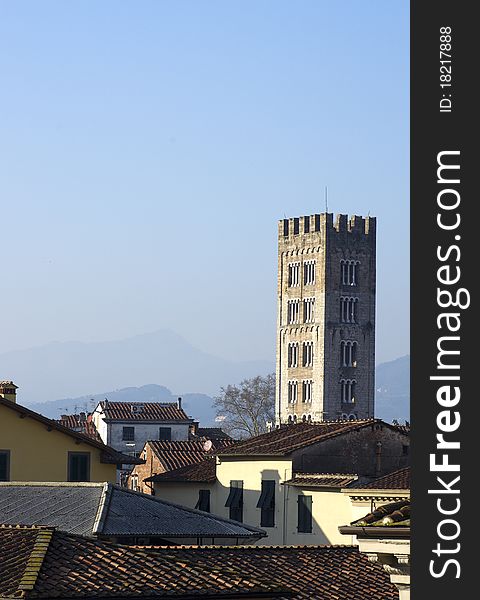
247, 407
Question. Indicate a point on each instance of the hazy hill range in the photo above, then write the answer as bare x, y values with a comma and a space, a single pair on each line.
65, 377
199, 406
392, 385
75, 369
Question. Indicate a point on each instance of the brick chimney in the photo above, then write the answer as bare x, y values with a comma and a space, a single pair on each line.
8, 390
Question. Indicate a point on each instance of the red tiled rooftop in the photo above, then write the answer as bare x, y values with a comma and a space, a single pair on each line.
288, 438
176, 454
398, 480
80, 423
323, 480
74, 567
144, 411
394, 514
204, 472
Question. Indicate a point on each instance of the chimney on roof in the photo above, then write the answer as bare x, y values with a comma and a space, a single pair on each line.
8, 390
179, 403
378, 459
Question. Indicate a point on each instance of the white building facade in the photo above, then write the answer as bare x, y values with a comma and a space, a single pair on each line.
127, 426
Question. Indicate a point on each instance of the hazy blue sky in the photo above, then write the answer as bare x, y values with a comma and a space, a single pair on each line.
147, 150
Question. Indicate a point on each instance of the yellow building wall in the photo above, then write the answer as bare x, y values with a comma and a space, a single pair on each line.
185, 494
37, 454
330, 509
251, 472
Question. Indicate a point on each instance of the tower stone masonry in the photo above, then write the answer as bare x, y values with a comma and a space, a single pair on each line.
326, 318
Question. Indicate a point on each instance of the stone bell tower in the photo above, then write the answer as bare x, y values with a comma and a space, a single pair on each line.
326, 318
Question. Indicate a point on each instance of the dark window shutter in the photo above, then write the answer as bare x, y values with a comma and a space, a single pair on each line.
304, 514
4, 465
128, 434
235, 500
203, 502
78, 466
267, 503
165, 433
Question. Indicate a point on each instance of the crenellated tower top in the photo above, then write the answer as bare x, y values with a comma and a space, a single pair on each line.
324, 224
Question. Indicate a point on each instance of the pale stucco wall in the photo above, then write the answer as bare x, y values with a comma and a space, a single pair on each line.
185, 494
37, 454
251, 472
330, 509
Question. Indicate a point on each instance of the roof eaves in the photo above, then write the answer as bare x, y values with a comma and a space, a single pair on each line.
377, 531
380, 492
52, 424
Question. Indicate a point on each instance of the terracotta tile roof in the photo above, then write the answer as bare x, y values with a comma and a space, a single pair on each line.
76, 567
143, 411
201, 472
81, 423
109, 455
395, 514
15, 551
176, 454
289, 438
398, 480
322, 480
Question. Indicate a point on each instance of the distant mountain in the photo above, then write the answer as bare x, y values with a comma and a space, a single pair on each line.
199, 406
392, 397
392, 382
75, 369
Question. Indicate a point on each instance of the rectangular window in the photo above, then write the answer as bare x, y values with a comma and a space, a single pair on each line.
294, 275
308, 310
304, 514
128, 434
307, 354
349, 272
293, 354
79, 466
203, 502
348, 310
267, 503
307, 391
4, 465
348, 389
309, 272
292, 392
235, 501
348, 353
165, 433
293, 311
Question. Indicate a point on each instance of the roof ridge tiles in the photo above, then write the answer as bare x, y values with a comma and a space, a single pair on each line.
36, 557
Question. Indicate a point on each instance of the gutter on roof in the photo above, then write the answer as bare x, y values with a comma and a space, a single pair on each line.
376, 532
276, 593
387, 492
